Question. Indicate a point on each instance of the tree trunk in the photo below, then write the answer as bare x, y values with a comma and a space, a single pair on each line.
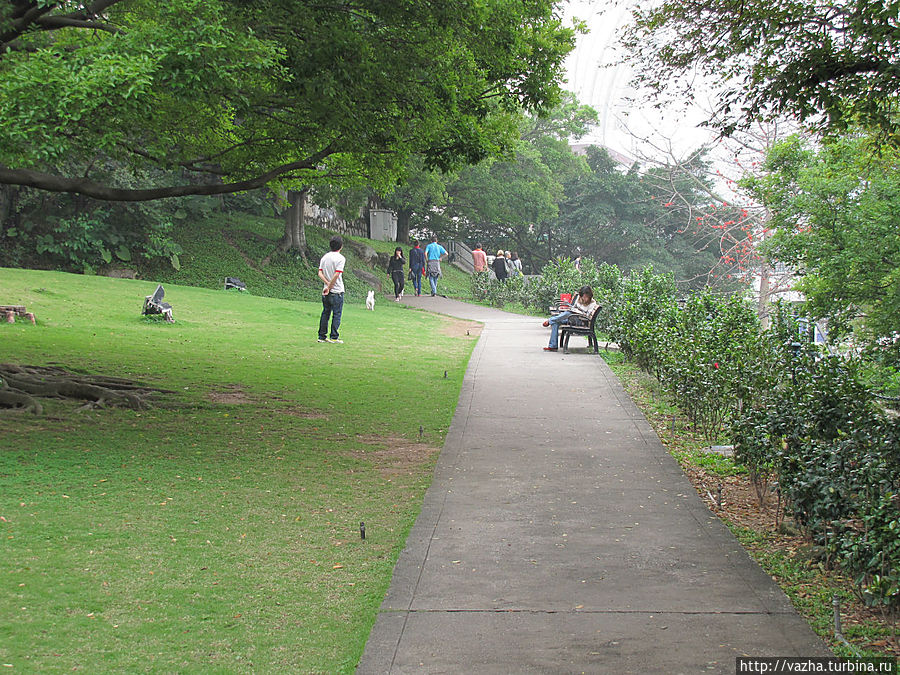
294, 226
299, 225
285, 242
762, 309
294, 237
7, 193
403, 225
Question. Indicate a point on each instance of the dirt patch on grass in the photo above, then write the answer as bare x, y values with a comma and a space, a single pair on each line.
739, 502
394, 455
303, 413
232, 394
461, 328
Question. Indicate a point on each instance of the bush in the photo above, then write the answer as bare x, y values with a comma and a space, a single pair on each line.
835, 455
88, 240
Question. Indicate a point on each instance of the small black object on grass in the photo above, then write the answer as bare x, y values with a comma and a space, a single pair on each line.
234, 282
153, 304
362, 530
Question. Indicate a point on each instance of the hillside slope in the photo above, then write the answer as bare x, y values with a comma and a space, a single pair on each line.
237, 245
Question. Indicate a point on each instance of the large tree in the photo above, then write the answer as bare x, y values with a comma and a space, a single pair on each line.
830, 64
509, 201
236, 94
835, 211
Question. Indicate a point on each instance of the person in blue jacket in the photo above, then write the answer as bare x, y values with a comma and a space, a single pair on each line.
434, 252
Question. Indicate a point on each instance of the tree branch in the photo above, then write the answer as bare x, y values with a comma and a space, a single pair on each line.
89, 188
32, 16
57, 22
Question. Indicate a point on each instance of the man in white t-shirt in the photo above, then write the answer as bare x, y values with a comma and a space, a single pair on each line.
331, 269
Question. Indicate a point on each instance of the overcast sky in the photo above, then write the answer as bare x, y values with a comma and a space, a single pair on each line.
598, 79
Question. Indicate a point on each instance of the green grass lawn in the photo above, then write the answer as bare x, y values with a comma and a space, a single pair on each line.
217, 531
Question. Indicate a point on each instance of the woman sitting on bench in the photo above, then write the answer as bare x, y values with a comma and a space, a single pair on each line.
581, 311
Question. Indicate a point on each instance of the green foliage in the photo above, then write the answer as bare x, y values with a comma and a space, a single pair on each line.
836, 212
633, 217
480, 283
562, 276
87, 241
795, 415
822, 63
834, 454
501, 293
710, 363
504, 201
242, 94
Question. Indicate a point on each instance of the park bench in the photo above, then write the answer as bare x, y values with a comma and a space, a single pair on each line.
153, 304
234, 282
586, 328
12, 311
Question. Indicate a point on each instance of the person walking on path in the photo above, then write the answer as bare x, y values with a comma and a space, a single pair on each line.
416, 266
517, 264
479, 259
499, 266
331, 270
395, 271
434, 252
582, 310
510, 266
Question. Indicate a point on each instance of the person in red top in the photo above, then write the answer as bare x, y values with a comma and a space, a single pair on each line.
479, 259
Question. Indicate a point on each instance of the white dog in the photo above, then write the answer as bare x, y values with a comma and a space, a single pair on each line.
370, 301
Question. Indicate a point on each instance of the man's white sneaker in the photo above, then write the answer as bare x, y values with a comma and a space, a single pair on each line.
335, 342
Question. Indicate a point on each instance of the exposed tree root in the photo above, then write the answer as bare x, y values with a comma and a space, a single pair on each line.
22, 386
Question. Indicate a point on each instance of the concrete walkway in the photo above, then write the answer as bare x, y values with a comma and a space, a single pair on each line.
559, 536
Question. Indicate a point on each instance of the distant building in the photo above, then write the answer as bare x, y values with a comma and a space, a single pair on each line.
621, 159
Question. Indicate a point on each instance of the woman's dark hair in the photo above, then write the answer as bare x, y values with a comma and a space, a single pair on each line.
586, 290
398, 250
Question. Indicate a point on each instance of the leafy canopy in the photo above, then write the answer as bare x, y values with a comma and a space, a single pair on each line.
831, 64
835, 209
234, 94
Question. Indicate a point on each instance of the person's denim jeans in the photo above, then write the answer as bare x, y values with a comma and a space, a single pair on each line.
332, 306
417, 281
562, 317
433, 282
